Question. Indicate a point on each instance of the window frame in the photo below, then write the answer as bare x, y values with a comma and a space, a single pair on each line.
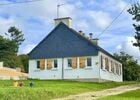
81, 59
38, 64
112, 66
90, 62
106, 64
69, 59
54, 63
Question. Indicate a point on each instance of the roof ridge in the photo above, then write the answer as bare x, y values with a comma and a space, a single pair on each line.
75, 32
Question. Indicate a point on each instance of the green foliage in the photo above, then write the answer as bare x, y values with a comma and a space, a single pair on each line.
16, 37
131, 95
47, 90
131, 69
9, 47
135, 12
24, 59
12, 61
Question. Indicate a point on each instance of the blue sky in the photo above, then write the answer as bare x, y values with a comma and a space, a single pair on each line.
36, 21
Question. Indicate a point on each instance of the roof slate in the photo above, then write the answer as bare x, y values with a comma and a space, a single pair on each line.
63, 42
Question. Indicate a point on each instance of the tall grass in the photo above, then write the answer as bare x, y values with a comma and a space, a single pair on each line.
46, 90
131, 95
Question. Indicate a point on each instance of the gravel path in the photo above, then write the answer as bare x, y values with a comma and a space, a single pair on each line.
98, 94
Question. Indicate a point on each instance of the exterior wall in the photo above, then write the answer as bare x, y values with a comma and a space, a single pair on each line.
1, 64
55, 73
108, 75
65, 72
85, 73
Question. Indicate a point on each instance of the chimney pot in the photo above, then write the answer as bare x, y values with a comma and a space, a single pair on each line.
90, 36
81, 33
95, 41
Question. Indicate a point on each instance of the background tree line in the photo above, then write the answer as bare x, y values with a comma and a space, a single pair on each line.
131, 68
9, 45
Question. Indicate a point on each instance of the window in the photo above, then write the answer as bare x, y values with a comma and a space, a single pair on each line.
106, 64
69, 62
89, 62
38, 64
101, 62
41, 64
115, 68
112, 66
55, 64
120, 69
109, 62
74, 62
82, 61
49, 64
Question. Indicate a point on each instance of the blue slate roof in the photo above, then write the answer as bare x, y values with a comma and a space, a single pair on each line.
65, 42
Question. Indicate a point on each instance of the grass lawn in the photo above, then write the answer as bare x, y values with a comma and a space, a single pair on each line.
46, 90
131, 95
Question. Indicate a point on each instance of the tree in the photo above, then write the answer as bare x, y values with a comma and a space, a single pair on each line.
131, 69
16, 37
135, 12
24, 59
9, 48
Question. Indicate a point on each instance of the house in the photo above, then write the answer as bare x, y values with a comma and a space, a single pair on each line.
9, 73
67, 54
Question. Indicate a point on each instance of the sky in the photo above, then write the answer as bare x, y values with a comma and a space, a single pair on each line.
91, 16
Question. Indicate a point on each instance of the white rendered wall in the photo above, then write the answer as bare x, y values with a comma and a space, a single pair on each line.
108, 75
93, 72
85, 73
45, 74
68, 73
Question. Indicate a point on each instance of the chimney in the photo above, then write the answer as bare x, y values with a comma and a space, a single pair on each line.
95, 41
90, 36
81, 33
65, 20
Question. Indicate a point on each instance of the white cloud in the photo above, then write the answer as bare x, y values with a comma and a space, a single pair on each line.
128, 47
120, 5
100, 18
43, 9
81, 25
5, 23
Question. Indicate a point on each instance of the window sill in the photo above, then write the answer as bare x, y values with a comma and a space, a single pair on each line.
88, 68
54, 69
37, 70
68, 68
103, 69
